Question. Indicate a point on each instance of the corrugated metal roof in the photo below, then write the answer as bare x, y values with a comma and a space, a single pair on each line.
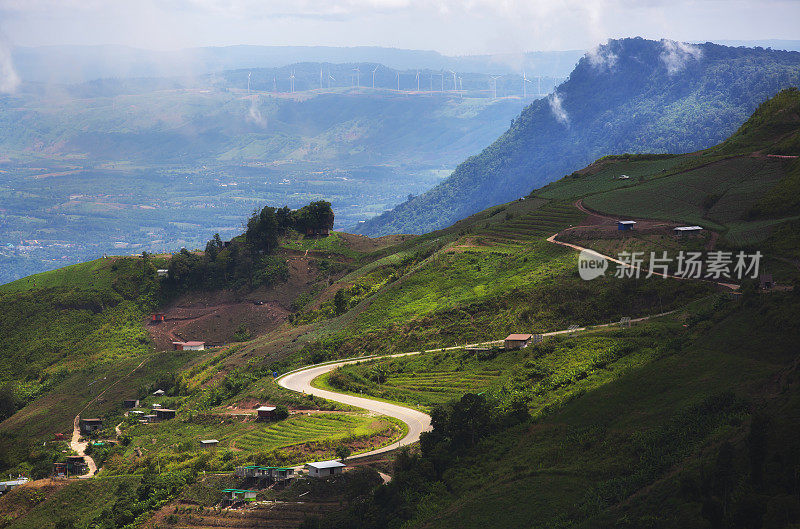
519, 337
326, 464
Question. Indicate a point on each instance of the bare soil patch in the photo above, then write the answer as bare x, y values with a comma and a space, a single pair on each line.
362, 243
214, 317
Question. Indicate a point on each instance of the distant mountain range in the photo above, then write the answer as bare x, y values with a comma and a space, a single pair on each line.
630, 95
78, 64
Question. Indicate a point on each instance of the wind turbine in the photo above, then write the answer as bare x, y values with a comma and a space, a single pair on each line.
320, 77
291, 79
373, 76
358, 77
455, 83
494, 85
525, 80
417, 80
274, 84
461, 86
248, 82
398, 81
330, 78
442, 74
540, 86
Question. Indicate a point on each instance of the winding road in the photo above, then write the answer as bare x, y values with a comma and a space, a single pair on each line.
417, 421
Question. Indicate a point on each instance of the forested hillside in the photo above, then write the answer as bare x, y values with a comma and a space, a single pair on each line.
630, 95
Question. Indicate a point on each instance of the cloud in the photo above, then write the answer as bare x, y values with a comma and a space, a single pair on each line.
601, 57
557, 109
450, 26
254, 114
676, 55
9, 79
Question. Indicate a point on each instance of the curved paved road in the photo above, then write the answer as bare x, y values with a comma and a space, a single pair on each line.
417, 421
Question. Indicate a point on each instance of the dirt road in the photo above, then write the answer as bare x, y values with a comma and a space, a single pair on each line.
553, 240
80, 448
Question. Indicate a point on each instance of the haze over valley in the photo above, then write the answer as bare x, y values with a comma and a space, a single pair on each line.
132, 165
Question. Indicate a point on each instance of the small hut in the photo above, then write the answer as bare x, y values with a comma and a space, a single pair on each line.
265, 413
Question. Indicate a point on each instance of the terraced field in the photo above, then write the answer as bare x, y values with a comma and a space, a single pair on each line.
542, 222
436, 387
275, 515
713, 195
607, 176
305, 428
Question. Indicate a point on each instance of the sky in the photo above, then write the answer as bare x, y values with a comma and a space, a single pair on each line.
452, 27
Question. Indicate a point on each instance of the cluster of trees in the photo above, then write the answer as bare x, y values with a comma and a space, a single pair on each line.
246, 261
265, 226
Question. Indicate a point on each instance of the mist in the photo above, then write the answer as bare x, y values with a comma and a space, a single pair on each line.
9, 79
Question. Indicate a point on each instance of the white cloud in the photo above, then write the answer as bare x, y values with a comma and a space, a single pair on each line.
254, 114
9, 80
676, 55
449, 26
558, 109
601, 57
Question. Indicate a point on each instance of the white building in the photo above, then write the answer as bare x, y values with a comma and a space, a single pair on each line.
189, 346
683, 231
6, 486
322, 469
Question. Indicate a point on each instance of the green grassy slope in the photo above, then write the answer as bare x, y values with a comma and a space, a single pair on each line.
695, 430
616, 443
744, 188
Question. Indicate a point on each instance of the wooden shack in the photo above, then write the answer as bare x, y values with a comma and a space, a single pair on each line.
265, 413
517, 341
89, 426
164, 414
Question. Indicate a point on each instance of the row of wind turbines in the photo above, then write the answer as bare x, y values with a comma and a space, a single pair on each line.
458, 82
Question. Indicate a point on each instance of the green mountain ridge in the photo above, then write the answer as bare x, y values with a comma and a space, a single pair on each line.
630, 95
